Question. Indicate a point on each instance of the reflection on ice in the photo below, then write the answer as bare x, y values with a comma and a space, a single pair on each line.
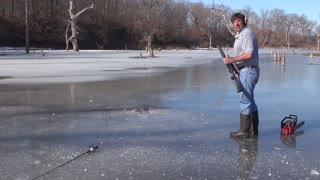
290, 139
248, 152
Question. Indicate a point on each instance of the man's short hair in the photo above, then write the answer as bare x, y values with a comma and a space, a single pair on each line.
239, 16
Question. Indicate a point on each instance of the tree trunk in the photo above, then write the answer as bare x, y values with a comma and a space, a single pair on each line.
149, 46
73, 26
318, 39
12, 7
288, 38
266, 39
27, 27
67, 40
74, 39
210, 43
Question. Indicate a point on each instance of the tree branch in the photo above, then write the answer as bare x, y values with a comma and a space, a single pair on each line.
221, 14
70, 9
67, 40
83, 10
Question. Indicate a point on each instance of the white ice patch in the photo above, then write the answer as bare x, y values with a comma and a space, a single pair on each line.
36, 162
314, 172
277, 148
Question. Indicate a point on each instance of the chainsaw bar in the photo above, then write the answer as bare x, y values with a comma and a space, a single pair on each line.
300, 124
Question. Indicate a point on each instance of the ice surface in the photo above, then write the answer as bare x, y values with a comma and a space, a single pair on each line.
162, 118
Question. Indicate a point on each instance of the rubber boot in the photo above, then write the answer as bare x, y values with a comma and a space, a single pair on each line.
245, 123
254, 123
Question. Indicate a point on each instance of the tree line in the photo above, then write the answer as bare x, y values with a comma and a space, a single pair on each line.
136, 24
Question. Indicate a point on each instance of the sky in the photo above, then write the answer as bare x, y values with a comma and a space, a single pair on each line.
310, 8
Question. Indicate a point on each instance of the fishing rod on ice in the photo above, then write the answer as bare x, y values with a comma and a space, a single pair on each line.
90, 150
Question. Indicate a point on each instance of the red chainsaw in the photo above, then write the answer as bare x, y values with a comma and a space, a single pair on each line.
289, 124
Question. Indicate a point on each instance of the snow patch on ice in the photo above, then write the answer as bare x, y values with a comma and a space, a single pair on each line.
314, 172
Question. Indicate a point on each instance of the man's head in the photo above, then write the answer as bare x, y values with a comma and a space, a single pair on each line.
238, 21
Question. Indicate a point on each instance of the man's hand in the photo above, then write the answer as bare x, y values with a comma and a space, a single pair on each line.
227, 60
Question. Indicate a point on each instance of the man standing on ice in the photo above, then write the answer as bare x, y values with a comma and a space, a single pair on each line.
247, 60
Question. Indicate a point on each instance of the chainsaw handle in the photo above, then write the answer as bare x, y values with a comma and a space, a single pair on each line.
293, 116
282, 122
294, 119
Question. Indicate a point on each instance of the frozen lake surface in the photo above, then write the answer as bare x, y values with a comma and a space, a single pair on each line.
165, 123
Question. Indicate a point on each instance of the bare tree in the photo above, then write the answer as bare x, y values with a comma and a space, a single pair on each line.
278, 26
304, 28
222, 12
73, 25
149, 9
289, 23
204, 20
27, 27
151, 20
318, 37
252, 17
176, 28
264, 26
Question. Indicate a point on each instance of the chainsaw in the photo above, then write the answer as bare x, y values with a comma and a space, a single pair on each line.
289, 124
